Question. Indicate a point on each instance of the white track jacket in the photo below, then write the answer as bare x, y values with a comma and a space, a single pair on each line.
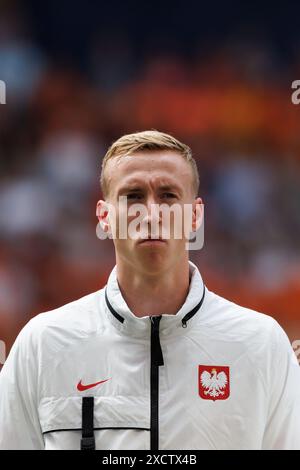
92, 375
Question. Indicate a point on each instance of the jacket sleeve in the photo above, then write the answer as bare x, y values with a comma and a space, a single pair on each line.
19, 421
283, 421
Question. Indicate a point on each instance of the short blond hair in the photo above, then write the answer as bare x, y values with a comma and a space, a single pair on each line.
147, 140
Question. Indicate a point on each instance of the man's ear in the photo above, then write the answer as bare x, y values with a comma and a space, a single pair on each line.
102, 215
198, 214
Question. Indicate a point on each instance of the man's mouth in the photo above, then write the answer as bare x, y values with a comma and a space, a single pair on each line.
152, 241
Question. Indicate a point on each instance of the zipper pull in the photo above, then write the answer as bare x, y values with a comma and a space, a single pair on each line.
155, 319
156, 351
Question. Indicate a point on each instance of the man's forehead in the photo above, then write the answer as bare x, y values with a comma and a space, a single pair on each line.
159, 180
170, 163
163, 169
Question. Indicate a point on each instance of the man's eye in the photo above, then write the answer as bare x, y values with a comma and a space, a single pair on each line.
134, 196
169, 195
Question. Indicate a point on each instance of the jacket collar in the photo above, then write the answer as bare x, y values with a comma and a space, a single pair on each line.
124, 319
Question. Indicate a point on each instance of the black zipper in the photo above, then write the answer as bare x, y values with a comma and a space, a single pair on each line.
156, 361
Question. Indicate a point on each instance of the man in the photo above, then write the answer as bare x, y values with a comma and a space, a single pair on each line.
154, 360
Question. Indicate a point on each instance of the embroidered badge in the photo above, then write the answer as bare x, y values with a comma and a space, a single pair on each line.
214, 382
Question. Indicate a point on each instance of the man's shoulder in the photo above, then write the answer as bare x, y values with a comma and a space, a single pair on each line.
230, 318
44, 340
242, 331
73, 320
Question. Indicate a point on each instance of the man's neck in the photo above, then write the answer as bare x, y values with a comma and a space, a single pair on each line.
163, 293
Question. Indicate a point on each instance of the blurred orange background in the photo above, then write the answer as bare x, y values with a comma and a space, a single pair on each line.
68, 100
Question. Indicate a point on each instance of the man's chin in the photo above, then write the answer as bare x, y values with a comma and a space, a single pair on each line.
152, 256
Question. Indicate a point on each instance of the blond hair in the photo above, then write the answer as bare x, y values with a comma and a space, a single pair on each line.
147, 140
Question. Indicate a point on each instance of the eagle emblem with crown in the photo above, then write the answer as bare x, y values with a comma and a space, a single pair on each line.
214, 382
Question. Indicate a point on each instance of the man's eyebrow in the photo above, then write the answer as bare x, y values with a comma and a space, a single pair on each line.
126, 189
164, 187
170, 187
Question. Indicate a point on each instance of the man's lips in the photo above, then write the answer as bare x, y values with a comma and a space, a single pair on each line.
152, 240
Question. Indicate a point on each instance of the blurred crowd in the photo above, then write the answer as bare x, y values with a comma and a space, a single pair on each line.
233, 107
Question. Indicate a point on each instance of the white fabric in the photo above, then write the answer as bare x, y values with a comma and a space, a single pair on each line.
40, 405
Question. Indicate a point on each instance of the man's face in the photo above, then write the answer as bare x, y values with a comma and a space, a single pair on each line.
143, 180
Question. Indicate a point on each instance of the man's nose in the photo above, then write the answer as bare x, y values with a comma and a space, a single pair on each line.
153, 215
